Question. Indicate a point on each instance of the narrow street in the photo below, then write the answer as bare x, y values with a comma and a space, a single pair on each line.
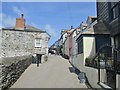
54, 73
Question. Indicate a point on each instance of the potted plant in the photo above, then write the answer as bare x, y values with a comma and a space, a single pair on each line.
95, 62
45, 58
87, 61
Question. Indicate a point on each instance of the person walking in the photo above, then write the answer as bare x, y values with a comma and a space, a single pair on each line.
38, 59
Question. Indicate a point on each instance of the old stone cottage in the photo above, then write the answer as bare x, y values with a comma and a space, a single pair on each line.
18, 46
24, 40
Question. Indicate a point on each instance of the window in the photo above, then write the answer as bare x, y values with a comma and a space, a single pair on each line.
113, 4
117, 45
37, 42
80, 46
117, 41
102, 40
115, 11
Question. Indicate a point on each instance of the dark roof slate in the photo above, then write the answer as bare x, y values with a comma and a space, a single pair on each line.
27, 28
101, 28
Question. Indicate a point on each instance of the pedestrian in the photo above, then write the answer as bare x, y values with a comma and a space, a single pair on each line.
38, 60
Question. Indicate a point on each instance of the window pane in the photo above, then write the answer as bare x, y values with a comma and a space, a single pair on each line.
117, 44
80, 46
37, 42
115, 12
113, 4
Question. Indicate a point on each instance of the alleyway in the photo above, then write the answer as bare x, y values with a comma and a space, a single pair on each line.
54, 73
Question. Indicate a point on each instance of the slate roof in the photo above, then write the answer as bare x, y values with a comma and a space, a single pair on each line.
101, 28
31, 28
98, 28
27, 28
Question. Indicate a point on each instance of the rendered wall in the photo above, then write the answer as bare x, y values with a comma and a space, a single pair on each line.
118, 81
89, 47
79, 63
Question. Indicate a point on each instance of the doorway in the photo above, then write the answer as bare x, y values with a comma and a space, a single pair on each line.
38, 59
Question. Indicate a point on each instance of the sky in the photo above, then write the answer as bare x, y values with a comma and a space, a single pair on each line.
48, 16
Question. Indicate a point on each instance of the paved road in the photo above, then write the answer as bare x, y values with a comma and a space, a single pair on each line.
54, 73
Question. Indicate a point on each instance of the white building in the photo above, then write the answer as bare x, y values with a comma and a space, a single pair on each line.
89, 40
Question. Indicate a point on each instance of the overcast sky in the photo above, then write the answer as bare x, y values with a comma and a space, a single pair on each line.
48, 16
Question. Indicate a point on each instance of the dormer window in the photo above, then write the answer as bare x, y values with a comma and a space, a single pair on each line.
37, 42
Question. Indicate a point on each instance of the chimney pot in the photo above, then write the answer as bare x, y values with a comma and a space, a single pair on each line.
22, 15
71, 27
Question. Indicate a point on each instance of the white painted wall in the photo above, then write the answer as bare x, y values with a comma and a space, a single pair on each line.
92, 76
67, 46
118, 82
79, 61
88, 47
91, 73
88, 50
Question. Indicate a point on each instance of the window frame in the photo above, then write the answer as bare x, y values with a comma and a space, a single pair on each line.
80, 45
113, 8
38, 43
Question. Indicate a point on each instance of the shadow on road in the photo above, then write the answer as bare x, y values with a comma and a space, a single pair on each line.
34, 60
74, 70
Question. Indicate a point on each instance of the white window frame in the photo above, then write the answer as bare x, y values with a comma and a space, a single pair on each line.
38, 42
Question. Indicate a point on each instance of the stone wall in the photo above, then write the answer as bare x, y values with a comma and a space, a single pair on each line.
11, 69
20, 43
17, 43
17, 49
0, 42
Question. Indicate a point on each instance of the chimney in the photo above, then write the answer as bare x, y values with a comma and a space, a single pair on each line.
72, 27
20, 23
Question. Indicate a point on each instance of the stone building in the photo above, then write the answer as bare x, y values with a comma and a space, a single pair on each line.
67, 43
23, 40
19, 47
75, 46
